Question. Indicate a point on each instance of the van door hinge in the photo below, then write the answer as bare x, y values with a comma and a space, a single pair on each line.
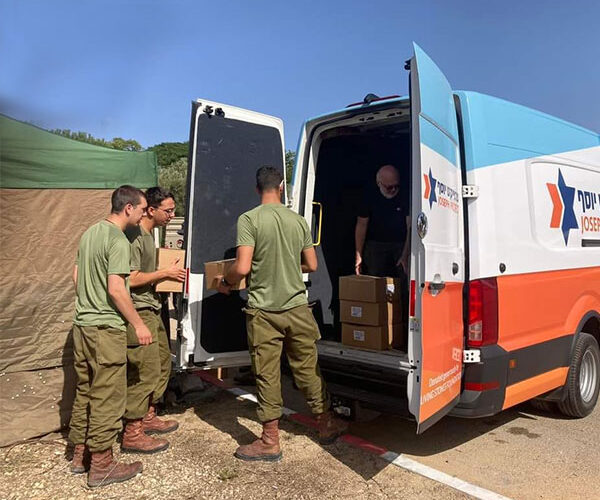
470, 191
471, 356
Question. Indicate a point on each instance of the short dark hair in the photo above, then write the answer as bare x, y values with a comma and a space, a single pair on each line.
124, 195
268, 178
156, 195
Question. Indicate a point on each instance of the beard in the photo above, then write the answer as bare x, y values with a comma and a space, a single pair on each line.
386, 194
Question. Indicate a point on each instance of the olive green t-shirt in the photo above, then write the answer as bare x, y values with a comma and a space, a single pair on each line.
143, 258
103, 250
278, 236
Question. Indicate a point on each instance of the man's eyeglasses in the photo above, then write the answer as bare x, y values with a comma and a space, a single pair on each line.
168, 211
389, 187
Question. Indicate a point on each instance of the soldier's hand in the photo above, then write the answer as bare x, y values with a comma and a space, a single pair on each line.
144, 335
221, 287
174, 272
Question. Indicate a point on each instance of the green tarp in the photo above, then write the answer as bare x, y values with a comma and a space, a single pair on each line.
32, 158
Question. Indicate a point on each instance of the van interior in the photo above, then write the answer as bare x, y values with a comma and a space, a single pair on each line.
347, 159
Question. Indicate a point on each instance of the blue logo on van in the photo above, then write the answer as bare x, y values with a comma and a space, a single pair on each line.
563, 199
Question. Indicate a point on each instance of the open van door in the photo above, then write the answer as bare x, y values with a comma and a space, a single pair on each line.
227, 146
435, 345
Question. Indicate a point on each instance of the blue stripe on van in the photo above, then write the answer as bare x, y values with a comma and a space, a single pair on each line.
435, 139
498, 131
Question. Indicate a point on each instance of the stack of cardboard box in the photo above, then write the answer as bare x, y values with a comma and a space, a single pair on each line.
370, 312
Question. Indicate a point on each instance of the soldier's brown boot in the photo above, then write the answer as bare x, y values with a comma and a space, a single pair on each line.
81, 459
154, 425
104, 470
266, 448
330, 427
136, 441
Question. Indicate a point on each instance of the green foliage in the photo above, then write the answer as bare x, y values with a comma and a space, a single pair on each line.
290, 159
169, 152
116, 143
173, 177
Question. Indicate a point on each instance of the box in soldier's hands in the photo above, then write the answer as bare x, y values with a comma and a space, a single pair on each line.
216, 267
165, 258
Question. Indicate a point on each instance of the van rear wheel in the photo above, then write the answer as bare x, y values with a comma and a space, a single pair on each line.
583, 380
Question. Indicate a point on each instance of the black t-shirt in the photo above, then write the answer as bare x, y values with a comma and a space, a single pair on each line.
387, 217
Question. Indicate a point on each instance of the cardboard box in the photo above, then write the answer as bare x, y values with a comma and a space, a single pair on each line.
369, 288
165, 258
379, 338
216, 267
370, 313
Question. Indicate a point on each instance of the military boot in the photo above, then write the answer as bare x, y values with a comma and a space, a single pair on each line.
330, 427
104, 470
136, 441
80, 462
154, 425
266, 448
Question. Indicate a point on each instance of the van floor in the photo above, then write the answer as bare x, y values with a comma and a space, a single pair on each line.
392, 359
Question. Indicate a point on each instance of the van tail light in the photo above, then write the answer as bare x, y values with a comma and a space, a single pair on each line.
187, 281
483, 312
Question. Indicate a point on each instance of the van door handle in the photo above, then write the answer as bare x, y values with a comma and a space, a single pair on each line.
437, 287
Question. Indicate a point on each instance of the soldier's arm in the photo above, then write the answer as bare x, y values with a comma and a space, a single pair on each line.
121, 298
309, 260
138, 278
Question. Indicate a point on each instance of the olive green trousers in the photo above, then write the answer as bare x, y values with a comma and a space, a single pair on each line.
100, 355
148, 366
296, 332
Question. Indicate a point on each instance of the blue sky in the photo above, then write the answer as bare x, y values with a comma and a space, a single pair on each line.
131, 68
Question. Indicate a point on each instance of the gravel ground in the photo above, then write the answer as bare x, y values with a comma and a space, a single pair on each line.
200, 464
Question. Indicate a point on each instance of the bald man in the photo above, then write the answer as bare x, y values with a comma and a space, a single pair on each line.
381, 234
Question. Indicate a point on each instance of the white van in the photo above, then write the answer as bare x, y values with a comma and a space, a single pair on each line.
504, 291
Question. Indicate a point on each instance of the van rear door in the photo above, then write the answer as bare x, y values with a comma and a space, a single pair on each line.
227, 145
435, 345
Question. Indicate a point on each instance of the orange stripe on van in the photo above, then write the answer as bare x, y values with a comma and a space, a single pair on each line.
537, 307
557, 203
427, 186
534, 386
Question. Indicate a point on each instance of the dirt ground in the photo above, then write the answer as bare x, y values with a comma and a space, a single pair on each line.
200, 464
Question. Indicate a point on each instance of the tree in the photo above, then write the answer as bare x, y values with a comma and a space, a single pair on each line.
125, 144
168, 152
174, 178
116, 143
290, 160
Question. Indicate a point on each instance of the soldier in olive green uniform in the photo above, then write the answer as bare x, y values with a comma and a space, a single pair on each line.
148, 366
103, 305
275, 246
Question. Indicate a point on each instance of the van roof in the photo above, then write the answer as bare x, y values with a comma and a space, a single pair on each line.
499, 131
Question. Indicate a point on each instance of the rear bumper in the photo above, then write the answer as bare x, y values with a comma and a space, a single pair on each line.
491, 370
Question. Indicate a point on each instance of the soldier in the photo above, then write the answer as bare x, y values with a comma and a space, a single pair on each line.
148, 366
103, 306
276, 245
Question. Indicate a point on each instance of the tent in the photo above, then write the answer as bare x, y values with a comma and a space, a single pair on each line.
51, 189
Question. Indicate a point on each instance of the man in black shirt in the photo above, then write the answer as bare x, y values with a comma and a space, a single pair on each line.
381, 234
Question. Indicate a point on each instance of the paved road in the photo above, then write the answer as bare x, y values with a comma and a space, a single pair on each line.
521, 453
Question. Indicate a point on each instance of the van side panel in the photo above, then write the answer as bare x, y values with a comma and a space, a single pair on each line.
535, 226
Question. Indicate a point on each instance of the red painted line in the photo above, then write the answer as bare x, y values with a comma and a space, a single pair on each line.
363, 444
303, 419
